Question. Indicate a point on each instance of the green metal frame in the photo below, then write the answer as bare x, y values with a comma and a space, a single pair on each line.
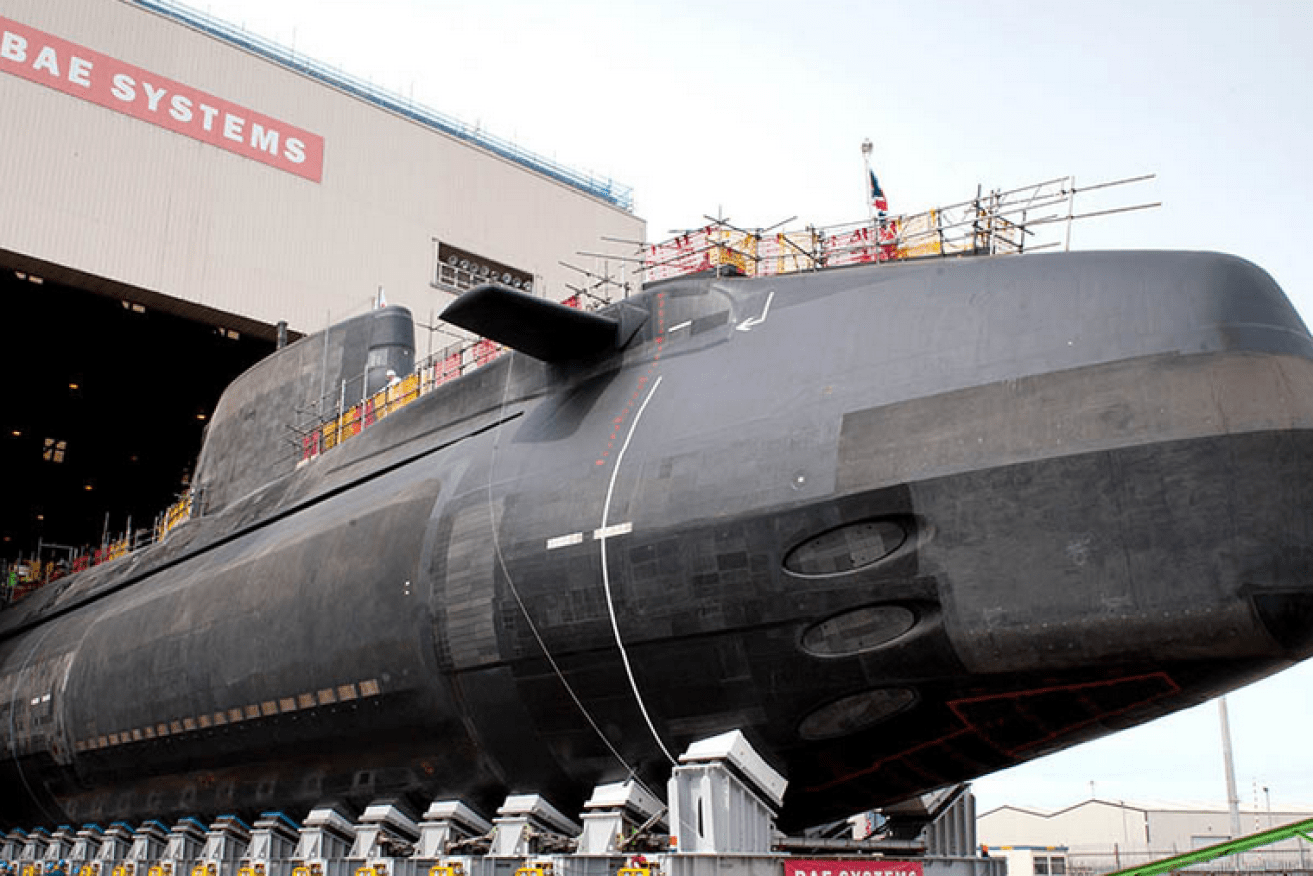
1222, 850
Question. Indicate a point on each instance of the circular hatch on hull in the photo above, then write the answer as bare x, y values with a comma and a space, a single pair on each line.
856, 712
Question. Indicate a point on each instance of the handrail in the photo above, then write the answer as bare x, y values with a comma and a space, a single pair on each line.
992, 223
320, 436
325, 433
21, 577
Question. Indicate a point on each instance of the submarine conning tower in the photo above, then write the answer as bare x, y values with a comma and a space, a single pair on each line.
247, 442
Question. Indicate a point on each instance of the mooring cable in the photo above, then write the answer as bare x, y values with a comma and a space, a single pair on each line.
515, 591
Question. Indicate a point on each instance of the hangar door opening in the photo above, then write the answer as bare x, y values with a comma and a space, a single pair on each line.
108, 400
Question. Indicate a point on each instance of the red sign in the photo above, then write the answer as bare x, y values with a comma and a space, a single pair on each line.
851, 867
55, 63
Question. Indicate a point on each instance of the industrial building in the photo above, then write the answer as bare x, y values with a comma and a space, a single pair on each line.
1099, 836
176, 190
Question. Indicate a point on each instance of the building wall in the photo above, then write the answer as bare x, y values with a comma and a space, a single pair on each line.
1102, 835
115, 197
1031, 861
1092, 823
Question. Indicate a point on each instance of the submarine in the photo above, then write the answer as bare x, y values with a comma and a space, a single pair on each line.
902, 525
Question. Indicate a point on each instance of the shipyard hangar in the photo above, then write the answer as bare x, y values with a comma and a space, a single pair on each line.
180, 191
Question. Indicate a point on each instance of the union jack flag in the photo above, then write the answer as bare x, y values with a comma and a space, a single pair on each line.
877, 195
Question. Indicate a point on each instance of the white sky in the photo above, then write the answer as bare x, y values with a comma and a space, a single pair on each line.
759, 108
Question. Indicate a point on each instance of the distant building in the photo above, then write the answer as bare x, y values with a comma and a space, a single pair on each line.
1033, 860
1098, 836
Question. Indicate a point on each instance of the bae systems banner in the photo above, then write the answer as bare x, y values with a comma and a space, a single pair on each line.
856, 867
109, 82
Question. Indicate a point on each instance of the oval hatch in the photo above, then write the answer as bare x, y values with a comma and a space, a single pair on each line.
858, 631
856, 712
846, 548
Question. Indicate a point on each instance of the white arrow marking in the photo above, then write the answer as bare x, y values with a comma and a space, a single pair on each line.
751, 321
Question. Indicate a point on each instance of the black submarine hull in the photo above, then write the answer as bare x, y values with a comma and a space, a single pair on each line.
902, 525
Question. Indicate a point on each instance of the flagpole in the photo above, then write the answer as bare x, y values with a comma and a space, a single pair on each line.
866, 181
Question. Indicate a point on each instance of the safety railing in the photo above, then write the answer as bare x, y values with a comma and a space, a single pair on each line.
174, 516
23, 576
19, 578
993, 223
323, 434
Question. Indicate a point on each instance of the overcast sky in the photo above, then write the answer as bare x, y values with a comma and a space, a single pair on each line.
758, 109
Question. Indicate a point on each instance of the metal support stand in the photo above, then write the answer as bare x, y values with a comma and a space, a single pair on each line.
113, 849
34, 845
446, 822
273, 839
181, 848
85, 846
952, 832
613, 811
326, 836
527, 822
723, 798
383, 835
144, 846
723, 801
147, 845
57, 851
12, 844
224, 846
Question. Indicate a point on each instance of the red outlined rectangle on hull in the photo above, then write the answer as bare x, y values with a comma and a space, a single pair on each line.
56, 63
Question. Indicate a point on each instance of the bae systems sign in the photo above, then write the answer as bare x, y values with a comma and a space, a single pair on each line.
109, 82
853, 867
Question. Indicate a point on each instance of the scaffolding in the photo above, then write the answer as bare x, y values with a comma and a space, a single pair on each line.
998, 222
